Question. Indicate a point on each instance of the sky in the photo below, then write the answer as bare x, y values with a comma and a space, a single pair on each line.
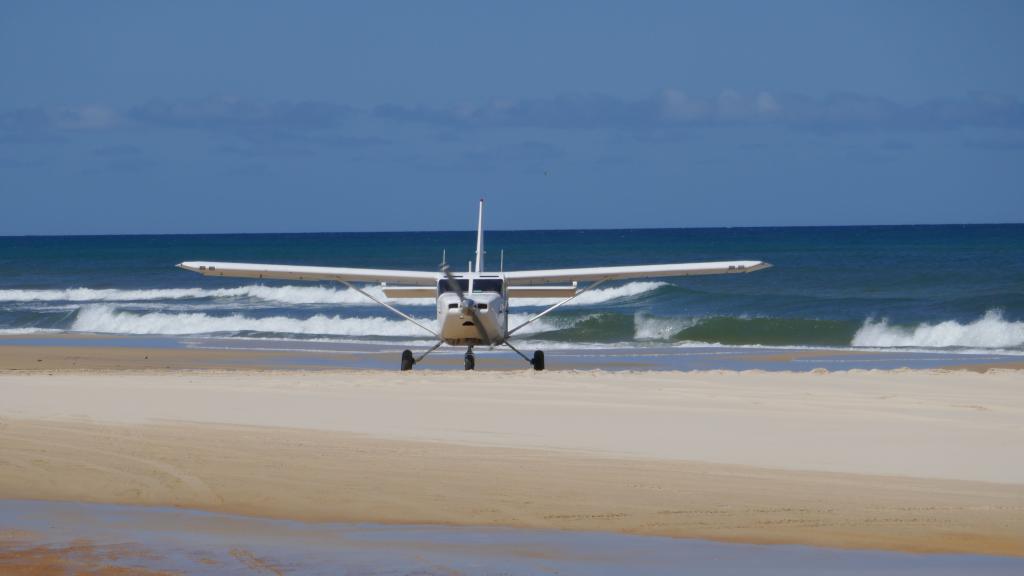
205, 117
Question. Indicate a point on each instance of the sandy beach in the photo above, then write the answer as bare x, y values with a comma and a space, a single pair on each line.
898, 460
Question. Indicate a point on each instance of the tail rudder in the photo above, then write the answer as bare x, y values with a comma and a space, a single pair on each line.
480, 239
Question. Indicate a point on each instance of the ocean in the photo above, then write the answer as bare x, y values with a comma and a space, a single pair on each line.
951, 288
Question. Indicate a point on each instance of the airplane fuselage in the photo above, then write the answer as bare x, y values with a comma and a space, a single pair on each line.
489, 300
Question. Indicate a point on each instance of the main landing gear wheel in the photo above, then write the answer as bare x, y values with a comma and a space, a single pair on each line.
470, 361
538, 360
407, 360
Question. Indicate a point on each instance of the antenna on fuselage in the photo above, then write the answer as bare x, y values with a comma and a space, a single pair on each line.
444, 257
501, 265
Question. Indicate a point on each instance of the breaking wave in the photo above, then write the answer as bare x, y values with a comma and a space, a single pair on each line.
647, 327
108, 320
280, 294
18, 331
102, 318
293, 295
597, 295
989, 331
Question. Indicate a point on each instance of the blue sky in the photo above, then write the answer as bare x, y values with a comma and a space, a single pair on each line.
162, 117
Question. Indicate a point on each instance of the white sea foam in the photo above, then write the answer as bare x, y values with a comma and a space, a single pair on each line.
280, 294
647, 327
105, 318
98, 295
991, 331
16, 331
290, 295
597, 295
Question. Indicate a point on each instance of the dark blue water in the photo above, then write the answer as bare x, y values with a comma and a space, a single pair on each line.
919, 287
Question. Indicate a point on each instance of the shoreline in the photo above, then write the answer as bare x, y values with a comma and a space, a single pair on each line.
109, 352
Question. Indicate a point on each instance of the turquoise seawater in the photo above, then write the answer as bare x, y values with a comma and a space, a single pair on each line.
954, 288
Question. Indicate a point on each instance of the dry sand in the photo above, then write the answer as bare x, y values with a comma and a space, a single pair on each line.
922, 461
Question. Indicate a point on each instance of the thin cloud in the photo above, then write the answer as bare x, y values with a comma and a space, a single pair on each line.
669, 114
40, 124
240, 114
259, 127
673, 109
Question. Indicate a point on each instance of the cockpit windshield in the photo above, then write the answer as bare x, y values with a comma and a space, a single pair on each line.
479, 285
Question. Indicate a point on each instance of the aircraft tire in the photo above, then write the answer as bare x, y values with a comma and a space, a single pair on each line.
538, 360
407, 360
470, 362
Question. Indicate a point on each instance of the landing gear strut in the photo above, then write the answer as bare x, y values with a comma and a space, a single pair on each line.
538, 356
469, 361
408, 361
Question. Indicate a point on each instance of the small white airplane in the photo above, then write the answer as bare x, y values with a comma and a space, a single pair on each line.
472, 307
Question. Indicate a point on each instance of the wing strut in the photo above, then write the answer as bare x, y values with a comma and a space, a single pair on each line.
553, 307
424, 355
516, 350
389, 307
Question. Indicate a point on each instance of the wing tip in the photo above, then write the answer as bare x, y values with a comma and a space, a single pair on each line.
190, 266
749, 266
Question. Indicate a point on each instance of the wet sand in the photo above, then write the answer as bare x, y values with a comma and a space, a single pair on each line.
48, 358
336, 477
898, 460
136, 540
47, 352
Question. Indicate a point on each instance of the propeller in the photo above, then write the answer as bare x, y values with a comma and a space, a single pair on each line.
468, 305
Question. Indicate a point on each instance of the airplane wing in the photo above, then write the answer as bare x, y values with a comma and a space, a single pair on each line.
312, 273
531, 277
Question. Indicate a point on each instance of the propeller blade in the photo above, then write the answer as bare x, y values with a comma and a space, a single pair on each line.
467, 308
480, 329
452, 283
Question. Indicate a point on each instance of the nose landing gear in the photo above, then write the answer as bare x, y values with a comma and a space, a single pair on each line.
470, 360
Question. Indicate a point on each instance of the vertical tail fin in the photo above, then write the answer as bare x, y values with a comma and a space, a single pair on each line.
480, 239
